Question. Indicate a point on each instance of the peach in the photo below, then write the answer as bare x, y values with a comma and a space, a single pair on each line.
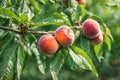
91, 28
64, 35
82, 2
48, 44
97, 40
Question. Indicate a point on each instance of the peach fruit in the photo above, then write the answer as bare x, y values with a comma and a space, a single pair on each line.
48, 44
91, 28
82, 2
97, 40
64, 35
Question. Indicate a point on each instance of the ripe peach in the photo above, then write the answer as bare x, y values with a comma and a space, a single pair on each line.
64, 35
48, 44
82, 2
91, 28
97, 40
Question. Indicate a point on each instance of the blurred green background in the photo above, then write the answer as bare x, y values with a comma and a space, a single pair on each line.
108, 68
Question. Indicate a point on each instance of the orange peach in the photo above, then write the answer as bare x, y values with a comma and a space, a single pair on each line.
48, 44
64, 35
91, 28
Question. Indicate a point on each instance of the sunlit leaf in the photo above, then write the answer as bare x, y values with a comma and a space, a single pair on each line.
108, 42
20, 60
35, 6
82, 59
8, 62
39, 62
24, 18
97, 49
56, 64
6, 13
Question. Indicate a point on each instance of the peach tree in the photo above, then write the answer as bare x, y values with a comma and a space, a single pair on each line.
62, 30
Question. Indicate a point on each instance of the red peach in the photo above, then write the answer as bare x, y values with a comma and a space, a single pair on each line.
64, 35
91, 28
97, 40
82, 2
48, 44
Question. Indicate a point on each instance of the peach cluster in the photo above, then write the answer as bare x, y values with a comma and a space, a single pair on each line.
49, 44
91, 29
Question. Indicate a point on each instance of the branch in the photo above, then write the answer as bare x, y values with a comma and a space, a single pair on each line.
33, 32
40, 32
10, 29
20, 32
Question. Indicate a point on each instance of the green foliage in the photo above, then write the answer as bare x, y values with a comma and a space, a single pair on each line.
6, 13
31, 15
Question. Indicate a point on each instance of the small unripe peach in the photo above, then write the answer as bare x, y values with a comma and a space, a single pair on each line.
64, 35
91, 28
97, 40
48, 44
82, 2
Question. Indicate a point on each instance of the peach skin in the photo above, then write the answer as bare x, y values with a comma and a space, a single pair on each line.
48, 44
64, 36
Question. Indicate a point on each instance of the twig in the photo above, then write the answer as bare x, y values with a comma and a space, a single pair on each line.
10, 29
33, 32
21, 32
40, 32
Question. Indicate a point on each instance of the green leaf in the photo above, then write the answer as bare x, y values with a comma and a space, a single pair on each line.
54, 75
107, 42
24, 18
8, 62
82, 42
97, 49
113, 4
6, 13
20, 60
27, 9
5, 40
82, 10
35, 6
42, 1
69, 16
81, 58
44, 18
62, 17
56, 64
30, 38
38, 58
3, 3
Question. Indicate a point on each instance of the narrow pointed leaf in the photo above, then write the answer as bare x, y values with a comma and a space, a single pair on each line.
56, 64
83, 57
108, 42
6, 13
97, 49
39, 61
20, 61
7, 63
